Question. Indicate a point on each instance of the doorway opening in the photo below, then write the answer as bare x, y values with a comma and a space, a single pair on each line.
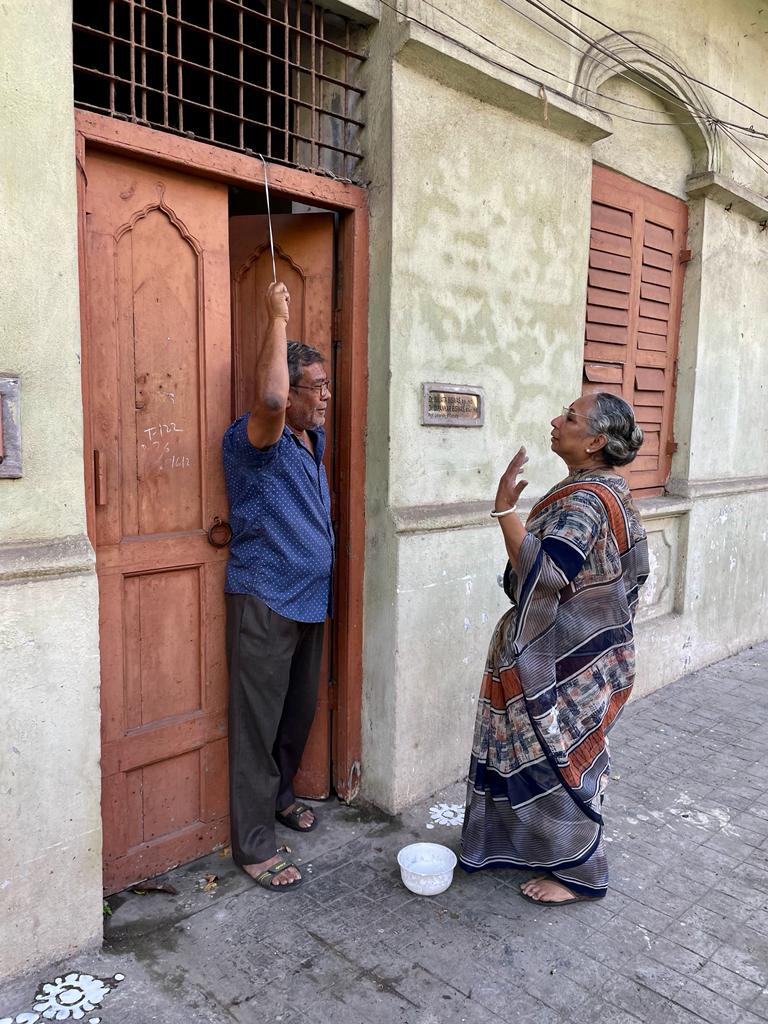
305, 251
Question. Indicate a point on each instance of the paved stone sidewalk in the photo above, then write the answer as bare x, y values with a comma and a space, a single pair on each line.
681, 938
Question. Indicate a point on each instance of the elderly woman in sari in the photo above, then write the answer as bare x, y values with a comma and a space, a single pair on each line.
561, 663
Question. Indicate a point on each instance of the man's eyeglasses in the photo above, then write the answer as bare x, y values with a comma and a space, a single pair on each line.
322, 386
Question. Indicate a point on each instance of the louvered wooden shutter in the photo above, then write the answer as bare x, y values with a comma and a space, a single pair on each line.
634, 293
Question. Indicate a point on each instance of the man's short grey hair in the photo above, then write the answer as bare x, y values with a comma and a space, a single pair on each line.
612, 416
299, 356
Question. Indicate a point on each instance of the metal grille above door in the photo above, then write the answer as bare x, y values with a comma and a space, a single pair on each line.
275, 77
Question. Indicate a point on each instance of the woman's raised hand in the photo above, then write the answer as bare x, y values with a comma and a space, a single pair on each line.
510, 488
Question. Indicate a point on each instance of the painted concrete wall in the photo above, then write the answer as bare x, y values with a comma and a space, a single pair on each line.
487, 234
50, 822
730, 429
50, 852
484, 217
487, 287
722, 43
657, 154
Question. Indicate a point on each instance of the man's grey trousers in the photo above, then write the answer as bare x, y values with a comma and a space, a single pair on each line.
274, 665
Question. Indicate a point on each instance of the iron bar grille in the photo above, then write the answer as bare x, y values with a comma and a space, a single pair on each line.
275, 77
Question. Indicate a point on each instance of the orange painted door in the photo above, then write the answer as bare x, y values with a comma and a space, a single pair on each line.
304, 261
158, 358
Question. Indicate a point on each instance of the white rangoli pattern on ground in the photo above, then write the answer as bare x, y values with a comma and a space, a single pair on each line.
70, 997
442, 814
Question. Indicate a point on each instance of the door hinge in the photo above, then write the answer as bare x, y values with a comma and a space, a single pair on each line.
336, 327
672, 447
685, 256
674, 374
333, 691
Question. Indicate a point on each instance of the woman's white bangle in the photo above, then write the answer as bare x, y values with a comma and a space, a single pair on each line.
505, 512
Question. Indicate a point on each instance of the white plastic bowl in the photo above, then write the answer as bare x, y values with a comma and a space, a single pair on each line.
426, 868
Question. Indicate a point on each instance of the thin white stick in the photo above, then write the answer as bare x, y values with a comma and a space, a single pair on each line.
269, 220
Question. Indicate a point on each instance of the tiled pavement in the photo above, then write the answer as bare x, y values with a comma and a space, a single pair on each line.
681, 938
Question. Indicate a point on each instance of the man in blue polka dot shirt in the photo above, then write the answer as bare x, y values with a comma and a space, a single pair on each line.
278, 592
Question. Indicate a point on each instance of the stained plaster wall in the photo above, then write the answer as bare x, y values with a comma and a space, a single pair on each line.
657, 156
486, 229
487, 270
714, 572
50, 844
721, 42
730, 428
721, 574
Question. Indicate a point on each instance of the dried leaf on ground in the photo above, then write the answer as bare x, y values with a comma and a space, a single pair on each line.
145, 888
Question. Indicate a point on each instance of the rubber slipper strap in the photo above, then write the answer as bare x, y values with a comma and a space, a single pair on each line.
295, 816
274, 870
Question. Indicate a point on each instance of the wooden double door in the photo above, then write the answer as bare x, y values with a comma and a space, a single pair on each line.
173, 300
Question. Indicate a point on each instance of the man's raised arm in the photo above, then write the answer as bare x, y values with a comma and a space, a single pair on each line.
267, 419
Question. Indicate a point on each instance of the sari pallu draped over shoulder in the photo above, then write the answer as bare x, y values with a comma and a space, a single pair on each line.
560, 668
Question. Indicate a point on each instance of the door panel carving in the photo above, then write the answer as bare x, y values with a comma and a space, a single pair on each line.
158, 357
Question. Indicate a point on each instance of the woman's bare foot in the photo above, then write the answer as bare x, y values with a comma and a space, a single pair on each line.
289, 876
546, 890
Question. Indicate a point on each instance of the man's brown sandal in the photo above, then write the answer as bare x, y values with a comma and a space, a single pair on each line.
264, 878
292, 819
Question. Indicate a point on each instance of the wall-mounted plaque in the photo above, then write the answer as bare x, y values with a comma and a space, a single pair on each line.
452, 405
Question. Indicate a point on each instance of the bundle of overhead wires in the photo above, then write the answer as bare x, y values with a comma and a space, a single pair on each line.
696, 110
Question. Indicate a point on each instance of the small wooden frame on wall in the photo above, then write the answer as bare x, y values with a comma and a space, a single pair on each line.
452, 405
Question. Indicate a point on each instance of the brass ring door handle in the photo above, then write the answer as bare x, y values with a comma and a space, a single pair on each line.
219, 533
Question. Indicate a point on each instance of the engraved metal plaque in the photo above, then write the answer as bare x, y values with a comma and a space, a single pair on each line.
452, 405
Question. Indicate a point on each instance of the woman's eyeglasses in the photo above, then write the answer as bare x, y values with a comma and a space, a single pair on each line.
569, 412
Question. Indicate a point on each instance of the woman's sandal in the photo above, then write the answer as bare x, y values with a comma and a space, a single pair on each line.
292, 819
559, 903
264, 878
574, 898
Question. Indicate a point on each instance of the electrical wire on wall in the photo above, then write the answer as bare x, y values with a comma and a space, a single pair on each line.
636, 73
506, 67
727, 128
663, 60
609, 99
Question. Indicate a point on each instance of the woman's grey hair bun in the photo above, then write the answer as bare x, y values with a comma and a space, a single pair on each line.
612, 416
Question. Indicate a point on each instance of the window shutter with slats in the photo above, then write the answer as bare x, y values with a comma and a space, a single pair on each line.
634, 294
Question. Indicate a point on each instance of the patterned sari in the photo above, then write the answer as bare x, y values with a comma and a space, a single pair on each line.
560, 668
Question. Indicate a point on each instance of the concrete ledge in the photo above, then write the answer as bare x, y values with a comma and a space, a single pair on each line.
471, 514
458, 66
33, 560
693, 489
663, 507
728, 193
426, 518
362, 11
